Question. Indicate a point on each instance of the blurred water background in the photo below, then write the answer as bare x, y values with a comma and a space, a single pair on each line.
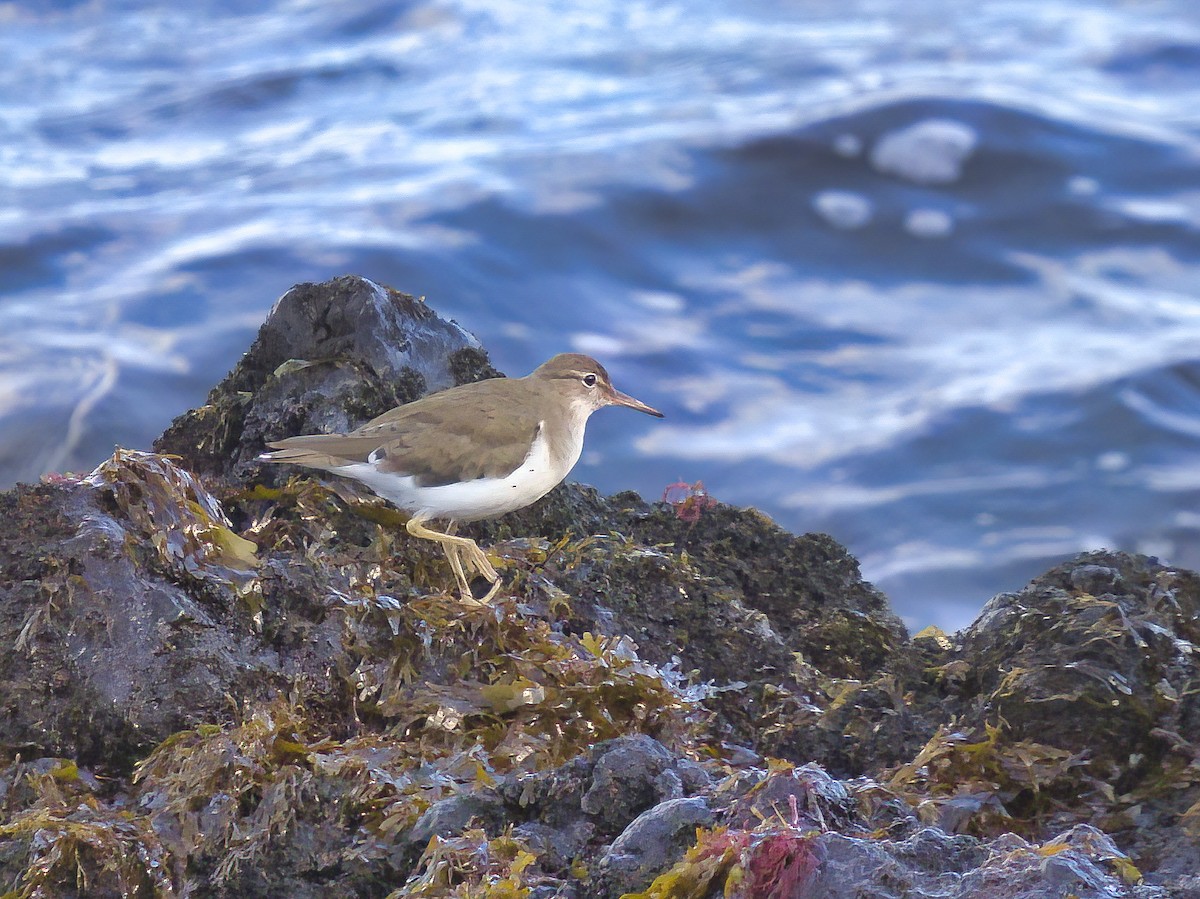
922, 274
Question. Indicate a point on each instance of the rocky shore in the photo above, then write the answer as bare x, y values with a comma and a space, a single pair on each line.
231, 680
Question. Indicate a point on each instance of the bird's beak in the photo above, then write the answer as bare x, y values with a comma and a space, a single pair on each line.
616, 398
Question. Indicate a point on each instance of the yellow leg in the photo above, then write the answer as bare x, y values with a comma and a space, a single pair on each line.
456, 562
464, 555
491, 594
452, 553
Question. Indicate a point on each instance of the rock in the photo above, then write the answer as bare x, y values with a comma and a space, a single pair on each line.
1057, 646
240, 682
555, 849
116, 642
928, 861
809, 587
451, 816
807, 797
651, 843
630, 774
328, 358
597, 795
1095, 579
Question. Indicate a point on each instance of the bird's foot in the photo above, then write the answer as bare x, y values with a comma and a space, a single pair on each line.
491, 594
476, 561
468, 598
455, 553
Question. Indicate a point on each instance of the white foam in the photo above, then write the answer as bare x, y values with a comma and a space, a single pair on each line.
1159, 547
831, 497
1152, 210
659, 300
928, 223
929, 152
843, 209
598, 345
848, 145
1083, 186
931, 353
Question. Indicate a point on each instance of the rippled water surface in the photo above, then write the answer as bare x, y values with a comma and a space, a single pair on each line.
924, 275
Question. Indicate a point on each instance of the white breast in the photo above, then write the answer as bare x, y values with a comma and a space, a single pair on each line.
536, 476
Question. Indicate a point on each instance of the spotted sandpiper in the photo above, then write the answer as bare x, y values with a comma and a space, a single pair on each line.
471, 452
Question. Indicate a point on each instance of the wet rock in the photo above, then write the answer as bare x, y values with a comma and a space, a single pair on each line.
808, 590
808, 587
112, 647
651, 843
870, 726
710, 613
597, 795
1040, 656
630, 773
451, 816
806, 796
278, 695
693, 777
1095, 579
555, 849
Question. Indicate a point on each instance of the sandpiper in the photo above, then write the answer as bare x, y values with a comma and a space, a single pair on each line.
471, 452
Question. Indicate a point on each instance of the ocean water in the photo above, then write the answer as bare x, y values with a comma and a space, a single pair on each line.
922, 274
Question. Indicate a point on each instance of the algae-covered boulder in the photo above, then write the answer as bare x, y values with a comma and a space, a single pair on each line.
232, 681
127, 606
1109, 632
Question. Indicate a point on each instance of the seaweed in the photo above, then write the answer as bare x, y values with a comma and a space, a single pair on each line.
69, 842
502, 678
181, 521
472, 866
773, 861
988, 785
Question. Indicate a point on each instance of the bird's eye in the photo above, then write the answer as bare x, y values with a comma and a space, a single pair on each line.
589, 380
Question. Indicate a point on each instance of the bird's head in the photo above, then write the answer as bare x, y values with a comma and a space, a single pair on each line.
586, 383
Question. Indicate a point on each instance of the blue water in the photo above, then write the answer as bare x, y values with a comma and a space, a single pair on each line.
923, 275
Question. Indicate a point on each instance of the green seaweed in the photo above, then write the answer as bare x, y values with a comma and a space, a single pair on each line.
181, 521
69, 842
472, 866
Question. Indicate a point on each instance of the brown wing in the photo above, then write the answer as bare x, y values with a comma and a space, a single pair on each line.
465, 433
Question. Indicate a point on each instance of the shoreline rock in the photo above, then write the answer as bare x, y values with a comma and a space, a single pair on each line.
227, 679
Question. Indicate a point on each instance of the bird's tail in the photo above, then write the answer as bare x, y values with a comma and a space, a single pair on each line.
312, 451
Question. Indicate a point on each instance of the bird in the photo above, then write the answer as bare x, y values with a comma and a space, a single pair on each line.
469, 453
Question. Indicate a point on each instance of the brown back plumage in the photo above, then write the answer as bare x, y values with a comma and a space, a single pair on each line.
473, 431
482, 430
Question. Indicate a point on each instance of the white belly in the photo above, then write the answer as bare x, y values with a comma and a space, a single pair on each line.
536, 476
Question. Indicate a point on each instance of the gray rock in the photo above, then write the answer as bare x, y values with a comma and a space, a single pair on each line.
112, 646
452, 815
631, 774
1095, 579
653, 842
555, 849
804, 797
931, 863
693, 777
